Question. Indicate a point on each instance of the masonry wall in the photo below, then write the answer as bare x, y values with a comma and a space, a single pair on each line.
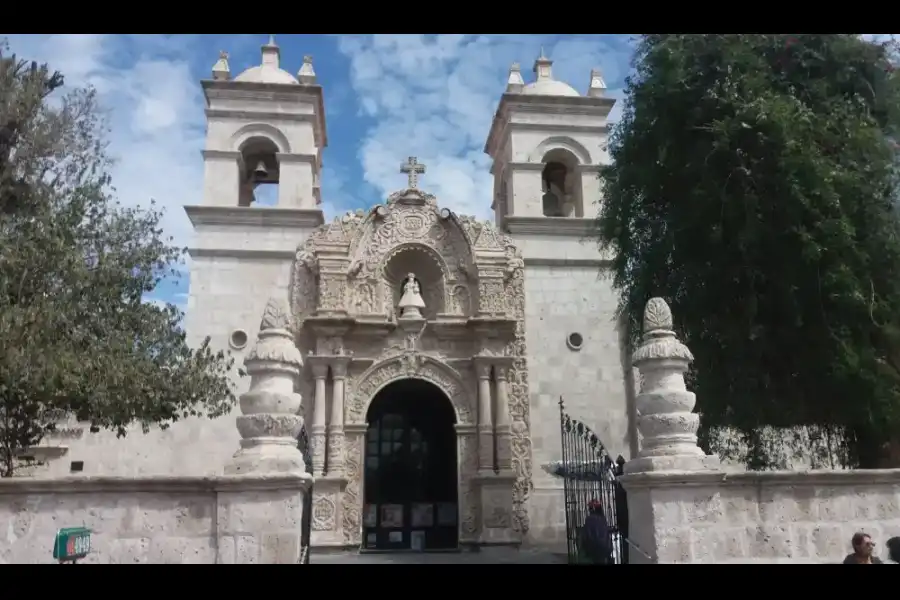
567, 291
768, 517
168, 520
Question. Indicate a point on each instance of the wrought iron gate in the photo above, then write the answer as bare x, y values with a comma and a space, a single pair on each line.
306, 523
589, 474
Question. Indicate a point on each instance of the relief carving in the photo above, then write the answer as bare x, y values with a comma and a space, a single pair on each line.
471, 281
323, 513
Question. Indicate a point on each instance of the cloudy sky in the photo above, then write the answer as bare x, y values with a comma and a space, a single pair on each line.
386, 97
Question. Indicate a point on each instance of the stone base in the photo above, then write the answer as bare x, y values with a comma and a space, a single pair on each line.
691, 462
267, 455
327, 529
496, 493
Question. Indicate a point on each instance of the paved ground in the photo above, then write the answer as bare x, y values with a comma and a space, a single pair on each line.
485, 557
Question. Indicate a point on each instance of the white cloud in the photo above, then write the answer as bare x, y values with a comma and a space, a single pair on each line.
434, 97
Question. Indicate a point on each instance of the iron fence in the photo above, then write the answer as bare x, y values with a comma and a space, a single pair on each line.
590, 474
306, 523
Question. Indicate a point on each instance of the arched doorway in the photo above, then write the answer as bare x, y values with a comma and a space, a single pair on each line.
410, 492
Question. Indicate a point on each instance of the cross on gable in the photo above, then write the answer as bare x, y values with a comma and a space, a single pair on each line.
413, 169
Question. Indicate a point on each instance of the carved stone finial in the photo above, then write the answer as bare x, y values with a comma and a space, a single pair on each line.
306, 74
276, 315
657, 316
667, 423
515, 83
412, 168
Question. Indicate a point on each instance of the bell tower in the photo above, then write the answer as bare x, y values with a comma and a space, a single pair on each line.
547, 144
261, 194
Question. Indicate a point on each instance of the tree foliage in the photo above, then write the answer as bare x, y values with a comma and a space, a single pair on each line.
754, 186
78, 339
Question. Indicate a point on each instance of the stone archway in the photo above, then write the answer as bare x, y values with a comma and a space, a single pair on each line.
376, 378
410, 473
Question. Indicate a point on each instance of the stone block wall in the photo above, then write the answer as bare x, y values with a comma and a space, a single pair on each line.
769, 517
170, 520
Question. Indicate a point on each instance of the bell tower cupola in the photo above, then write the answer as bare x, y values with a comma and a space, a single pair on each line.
547, 142
265, 134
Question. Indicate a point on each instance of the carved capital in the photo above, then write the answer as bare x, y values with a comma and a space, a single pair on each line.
339, 365
318, 365
482, 368
502, 366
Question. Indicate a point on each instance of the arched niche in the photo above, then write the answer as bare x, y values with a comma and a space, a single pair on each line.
260, 171
429, 268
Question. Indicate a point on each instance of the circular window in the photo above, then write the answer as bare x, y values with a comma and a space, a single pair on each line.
574, 341
238, 339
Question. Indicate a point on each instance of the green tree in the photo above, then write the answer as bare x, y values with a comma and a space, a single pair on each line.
77, 339
754, 186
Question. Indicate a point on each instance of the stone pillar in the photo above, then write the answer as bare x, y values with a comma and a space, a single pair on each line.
502, 431
336, 426
666, 422
485, 426
271, 421
317, 431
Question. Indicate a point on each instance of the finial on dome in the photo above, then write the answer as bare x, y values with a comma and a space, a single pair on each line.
221, 71
514, 83
542, 67
306, 74
271, 53
597, 88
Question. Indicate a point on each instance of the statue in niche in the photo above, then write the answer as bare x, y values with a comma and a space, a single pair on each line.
365, 300
460, 300
411, 303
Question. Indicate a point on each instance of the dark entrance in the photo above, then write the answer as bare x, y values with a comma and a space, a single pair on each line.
410, 497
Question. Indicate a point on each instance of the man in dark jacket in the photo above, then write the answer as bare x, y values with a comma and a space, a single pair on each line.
596, 545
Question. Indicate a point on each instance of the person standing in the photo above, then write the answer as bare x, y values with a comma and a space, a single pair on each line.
863, 551
595, 543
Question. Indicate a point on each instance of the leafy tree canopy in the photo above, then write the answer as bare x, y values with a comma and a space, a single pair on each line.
754, 185
77, 338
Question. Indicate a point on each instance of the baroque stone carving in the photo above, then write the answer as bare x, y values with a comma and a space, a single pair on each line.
323, 513
340, 275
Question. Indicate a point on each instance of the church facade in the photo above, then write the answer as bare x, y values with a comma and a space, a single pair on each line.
435, 346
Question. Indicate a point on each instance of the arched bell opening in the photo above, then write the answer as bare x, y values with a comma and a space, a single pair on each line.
561, 184
411, 489
260, 173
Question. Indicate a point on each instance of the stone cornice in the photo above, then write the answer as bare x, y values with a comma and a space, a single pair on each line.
762, 479
545, 105
154, 484
240, 216
584, 263
242, 253
556, 226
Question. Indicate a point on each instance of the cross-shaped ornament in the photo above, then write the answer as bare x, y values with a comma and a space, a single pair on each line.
412, 168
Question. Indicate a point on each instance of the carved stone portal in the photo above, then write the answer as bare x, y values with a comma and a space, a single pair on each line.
351, 286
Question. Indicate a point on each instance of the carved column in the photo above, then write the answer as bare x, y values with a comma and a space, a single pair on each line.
270, 419
317, 431
336, 426
485, 426
502, 430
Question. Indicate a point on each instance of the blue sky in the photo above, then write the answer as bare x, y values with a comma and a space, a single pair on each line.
386, 97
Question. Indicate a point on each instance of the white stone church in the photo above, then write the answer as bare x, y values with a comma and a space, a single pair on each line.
435, 347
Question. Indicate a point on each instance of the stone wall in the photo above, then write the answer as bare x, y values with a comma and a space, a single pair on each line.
170, 520
778, 516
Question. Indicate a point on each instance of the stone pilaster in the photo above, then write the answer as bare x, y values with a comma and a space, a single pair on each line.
483, 368
666, 422
271, 419
339, 366
319, 368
